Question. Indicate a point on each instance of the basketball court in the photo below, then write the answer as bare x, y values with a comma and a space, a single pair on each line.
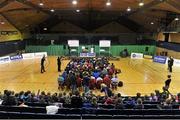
142, 76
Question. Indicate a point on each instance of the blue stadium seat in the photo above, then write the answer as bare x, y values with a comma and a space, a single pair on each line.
150, 106
104, 117
120, 116
103, 112
36, 104
3, 115
63, 111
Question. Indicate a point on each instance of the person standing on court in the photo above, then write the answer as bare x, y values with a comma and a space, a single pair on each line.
42, 64
59, 64
167, 82
170, 63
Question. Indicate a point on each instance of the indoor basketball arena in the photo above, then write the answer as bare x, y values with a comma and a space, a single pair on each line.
89, 59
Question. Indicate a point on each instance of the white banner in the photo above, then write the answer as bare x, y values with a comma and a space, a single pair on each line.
73, 43
136, 56
40, 54
176, 62
28, 56
5, 59
105, 43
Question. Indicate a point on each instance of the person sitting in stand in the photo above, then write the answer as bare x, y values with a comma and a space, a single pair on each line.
106, 90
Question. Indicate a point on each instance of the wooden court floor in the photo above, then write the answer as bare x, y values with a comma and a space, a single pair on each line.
142, 76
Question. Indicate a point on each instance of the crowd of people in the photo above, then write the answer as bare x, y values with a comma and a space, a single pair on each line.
88, 100
86, 74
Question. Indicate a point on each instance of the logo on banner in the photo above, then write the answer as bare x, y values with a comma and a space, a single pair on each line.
136, 56
16, 57
87, 54
133, 55
4, 59
91, 54
160, 59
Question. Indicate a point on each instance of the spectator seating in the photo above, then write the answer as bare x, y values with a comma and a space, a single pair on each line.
78, 113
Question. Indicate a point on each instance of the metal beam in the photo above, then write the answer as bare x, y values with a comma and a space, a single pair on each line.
10, 21
132, 25
145, 7
4, 3
175, 5
123, 20
36, 7
18, 9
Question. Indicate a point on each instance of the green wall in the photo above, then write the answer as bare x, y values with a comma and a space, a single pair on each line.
58, 50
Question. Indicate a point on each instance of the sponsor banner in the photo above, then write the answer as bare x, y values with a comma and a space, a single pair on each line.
83, 54
136, 56
148, 57
177, 62
87, 54
160, 59
5, 59
16, 57
28, 56
92, 54
40, 54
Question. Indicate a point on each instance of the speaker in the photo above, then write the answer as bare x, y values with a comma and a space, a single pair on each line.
147, 49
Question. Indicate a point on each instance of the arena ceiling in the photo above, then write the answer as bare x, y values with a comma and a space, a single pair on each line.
35, 15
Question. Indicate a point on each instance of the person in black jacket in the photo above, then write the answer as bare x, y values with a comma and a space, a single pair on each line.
170, 63
9, 99
167, 82
59, 64
76, 100
42, 64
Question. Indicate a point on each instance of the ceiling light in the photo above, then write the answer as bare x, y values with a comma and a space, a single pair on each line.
176, 19
152, 23
52, 10
108, 3
74, 2
44, 28
128, 9
77, 10
141, 3
41, 4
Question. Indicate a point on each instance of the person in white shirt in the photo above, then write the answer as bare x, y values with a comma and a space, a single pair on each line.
114, 82
99, 81
53, 109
